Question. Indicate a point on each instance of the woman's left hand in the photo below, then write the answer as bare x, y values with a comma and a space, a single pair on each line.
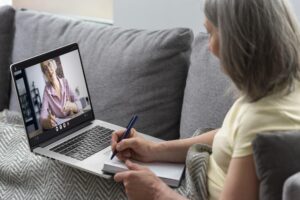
141, 183
70, 107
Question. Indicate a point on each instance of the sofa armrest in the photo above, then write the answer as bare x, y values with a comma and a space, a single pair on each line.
291, 188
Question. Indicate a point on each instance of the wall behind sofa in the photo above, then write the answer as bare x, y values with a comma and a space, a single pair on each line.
157, 14
98, 10
145, 14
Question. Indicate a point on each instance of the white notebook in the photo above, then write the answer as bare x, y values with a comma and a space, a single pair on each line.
170, 173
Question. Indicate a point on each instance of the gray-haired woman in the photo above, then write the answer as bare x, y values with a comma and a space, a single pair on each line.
257, 42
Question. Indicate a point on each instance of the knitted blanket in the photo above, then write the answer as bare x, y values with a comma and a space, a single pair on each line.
194, 185
24, 175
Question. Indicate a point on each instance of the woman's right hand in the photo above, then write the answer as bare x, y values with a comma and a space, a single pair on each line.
50, 121
134, 147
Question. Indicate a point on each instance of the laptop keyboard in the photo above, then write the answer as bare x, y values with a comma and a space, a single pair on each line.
85, 144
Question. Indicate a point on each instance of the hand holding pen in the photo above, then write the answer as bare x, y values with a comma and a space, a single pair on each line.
133, 147
126, 133
51, 119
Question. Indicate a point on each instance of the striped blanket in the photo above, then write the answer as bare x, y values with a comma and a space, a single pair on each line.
194, 185
24, 175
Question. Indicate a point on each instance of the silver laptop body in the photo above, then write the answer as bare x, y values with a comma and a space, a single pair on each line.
30, 83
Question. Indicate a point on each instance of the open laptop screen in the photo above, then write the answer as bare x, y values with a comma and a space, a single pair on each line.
53, 93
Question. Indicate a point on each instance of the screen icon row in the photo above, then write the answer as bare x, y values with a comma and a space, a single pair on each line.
62, 126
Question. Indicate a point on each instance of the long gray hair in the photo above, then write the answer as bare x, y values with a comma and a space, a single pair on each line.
259, 44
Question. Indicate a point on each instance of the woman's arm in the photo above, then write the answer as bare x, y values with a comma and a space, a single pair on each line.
176, 150
47, 120
138, 148
241, 181
72, 99
140, 182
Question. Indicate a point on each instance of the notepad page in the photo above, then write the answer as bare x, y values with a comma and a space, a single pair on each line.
161, 169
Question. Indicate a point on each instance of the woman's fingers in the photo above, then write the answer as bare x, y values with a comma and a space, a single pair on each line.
117, 135
124, 150
135, 166
124, 155
131, 143
119, 177
115, 138
53, 122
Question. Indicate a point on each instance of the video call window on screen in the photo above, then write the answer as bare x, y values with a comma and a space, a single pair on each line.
52, 93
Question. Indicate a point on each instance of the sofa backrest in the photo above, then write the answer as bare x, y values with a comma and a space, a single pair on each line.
128, 71
157, 61
208, 93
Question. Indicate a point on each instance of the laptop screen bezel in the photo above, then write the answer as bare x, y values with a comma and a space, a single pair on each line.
82, 119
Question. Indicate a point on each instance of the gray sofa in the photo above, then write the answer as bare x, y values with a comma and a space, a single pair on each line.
167, 77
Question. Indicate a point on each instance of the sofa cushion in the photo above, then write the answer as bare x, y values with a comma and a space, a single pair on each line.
7, 15
206, 96
276, 158
128, 71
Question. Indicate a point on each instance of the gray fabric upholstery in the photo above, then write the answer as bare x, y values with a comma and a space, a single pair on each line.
7, 15
206, 97
291, 188
128, 71
277, 158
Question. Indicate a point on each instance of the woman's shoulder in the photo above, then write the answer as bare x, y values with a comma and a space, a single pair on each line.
271, 113
281, 101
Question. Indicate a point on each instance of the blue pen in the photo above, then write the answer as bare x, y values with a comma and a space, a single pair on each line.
126, 133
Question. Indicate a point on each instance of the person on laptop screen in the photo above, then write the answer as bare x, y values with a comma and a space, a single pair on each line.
59, 101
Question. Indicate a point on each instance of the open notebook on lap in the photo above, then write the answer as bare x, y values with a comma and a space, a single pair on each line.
58, 113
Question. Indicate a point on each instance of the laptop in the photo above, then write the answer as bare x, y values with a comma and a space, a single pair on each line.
57, 110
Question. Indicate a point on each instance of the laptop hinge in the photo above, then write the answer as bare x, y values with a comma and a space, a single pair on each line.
69, 132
